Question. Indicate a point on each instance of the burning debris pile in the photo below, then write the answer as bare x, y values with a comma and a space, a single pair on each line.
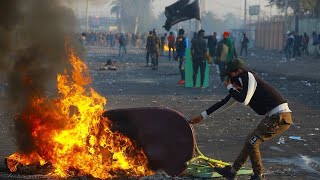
70, 134
59, 127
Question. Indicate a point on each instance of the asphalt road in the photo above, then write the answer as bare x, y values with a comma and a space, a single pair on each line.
222, 135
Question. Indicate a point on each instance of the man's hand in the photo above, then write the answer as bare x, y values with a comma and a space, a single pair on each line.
208, 58
227, 82
196, 120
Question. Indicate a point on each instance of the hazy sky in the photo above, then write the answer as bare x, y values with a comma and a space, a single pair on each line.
222, 7
219, 7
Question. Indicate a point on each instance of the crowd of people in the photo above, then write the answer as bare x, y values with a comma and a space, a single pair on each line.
203, 48
297, 45
111, 39
243, 85
140, 40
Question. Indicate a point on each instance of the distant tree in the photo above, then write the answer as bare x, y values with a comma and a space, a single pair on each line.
116, 10
311, 7
159, 22
130, 12
232, 21
211, 23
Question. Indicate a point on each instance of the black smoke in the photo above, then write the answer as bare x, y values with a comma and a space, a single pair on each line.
33, 35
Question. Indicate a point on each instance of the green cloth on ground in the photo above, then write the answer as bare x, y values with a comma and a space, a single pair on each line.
206, 171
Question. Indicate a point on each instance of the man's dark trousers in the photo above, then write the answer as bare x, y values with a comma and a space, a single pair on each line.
269, 128
198, 62
245, 47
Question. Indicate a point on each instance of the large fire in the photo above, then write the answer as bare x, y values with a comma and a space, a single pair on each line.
70, 134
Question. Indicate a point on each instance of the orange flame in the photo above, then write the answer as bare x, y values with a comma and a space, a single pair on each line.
70, 134
166, 47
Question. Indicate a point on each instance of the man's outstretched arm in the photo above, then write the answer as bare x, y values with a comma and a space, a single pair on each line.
205, 114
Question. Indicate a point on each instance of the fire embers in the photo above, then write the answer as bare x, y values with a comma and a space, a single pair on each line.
71, 138
16, 162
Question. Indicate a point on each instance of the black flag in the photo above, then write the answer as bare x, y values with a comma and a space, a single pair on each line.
175, 8
175, 13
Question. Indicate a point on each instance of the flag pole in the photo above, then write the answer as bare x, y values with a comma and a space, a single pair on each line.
87, 18
200, 10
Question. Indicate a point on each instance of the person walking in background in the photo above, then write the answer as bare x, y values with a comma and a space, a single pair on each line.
305, 44
199, 53
122, 44
296, 45
316, 42
244, 44
225, 54
163, 42
148, 47
195, 35
289, 46
171, 42
129, 38
155, 49
181, 45
212, 44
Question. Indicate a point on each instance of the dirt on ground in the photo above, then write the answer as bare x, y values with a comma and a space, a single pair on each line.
222, 135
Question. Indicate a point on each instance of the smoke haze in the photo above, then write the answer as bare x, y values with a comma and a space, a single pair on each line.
32, 53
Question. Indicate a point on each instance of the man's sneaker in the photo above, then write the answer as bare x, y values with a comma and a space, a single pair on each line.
257, 177
181, 82
226, 172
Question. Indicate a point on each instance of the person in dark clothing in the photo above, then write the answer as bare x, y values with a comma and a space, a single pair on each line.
305, 44
148, 47
163, 42
244, 44
155, 49
82, 44
248, 88
181, 45
195, 35
82, 38
122, 44
289, 46
316, 43
198, 53
171, 42
296, 45
212, 43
